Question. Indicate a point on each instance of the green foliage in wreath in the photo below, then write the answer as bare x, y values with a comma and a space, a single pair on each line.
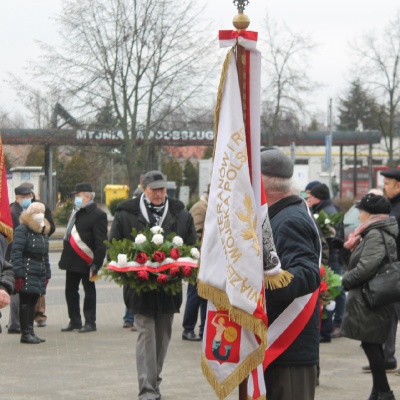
145, 248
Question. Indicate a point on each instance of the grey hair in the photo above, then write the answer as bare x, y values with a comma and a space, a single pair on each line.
91, 194
279, 185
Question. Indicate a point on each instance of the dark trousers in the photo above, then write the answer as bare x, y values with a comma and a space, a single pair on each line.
72, 296
376, 359
291, 383
193, 303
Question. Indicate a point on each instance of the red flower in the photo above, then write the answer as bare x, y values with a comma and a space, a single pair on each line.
175, 253
322, 271
323, 287
159, 256
187, 271
174, 271
143, 275
162, 279
141, 258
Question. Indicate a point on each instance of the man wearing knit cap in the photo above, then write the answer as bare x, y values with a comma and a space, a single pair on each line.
298, 247
320, 200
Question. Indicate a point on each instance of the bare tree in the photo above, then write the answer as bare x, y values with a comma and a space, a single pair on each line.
147, 56
287, 82
378, 64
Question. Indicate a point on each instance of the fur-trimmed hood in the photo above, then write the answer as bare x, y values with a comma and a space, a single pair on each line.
34, 225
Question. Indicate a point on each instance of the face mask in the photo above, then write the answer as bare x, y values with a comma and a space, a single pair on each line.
39, 217
25, 203
78, 202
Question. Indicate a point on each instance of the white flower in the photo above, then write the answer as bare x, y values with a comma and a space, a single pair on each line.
331, 306
156, 229
316, 216
177, 241
195, 253
327, 221
158, 239
122, 260
140, 239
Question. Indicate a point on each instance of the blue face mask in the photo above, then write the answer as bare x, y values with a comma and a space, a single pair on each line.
78, 202
25, 203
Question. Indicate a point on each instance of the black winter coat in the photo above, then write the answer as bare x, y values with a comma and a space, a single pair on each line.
177, 220
91, 224
30, 254
395, 212
298, 247
360, 322
7, 280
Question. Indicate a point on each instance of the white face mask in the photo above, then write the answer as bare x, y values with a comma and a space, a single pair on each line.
39, 217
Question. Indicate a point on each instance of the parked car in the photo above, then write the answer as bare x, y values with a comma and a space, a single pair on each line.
350, 220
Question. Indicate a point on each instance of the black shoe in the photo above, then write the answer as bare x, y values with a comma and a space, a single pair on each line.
29, 339
14, 330
70, 327
190, 336
40, 339
87, 328
127, 324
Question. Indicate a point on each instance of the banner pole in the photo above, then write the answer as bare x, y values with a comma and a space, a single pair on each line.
241, 21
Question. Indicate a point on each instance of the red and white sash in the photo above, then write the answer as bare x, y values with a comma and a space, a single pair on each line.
80, 247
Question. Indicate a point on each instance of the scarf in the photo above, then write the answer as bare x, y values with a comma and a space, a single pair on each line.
355, 238
72, 219
155, 214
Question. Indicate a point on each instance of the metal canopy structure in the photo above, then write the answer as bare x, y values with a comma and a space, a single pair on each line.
82, 137
77, 137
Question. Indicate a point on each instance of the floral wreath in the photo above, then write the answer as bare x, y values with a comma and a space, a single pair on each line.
328, 222
329, 289
151, 262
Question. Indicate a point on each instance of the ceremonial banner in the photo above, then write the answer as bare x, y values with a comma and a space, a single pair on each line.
6, 224
231, 262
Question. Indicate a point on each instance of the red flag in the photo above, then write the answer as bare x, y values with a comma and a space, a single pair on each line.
6, 224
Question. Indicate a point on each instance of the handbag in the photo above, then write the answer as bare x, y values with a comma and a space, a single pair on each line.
384, 288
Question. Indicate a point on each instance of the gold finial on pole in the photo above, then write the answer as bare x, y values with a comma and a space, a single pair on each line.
241, 21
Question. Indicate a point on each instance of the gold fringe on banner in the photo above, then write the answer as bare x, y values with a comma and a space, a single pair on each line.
278, 281
220, 300
7, 231
235, 379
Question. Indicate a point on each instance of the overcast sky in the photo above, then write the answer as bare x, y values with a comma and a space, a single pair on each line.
331, 24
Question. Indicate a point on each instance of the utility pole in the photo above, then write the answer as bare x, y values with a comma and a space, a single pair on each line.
328, 149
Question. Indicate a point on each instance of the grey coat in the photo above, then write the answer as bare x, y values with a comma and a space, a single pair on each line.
360, 322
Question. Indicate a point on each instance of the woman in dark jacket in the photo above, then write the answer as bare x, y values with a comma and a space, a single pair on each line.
30, 260
368, 254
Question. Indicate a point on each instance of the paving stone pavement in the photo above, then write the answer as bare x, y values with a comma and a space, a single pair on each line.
101, 365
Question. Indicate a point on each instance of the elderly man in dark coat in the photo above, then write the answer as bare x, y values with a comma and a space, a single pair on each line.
154, 310
298, 246
82, 256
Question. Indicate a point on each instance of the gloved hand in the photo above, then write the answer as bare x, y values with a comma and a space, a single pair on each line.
93, 269
337, 243
19, 284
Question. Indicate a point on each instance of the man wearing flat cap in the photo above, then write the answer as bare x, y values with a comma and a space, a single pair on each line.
82, 256
23, 199
154, 310
391, 190
298, 247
